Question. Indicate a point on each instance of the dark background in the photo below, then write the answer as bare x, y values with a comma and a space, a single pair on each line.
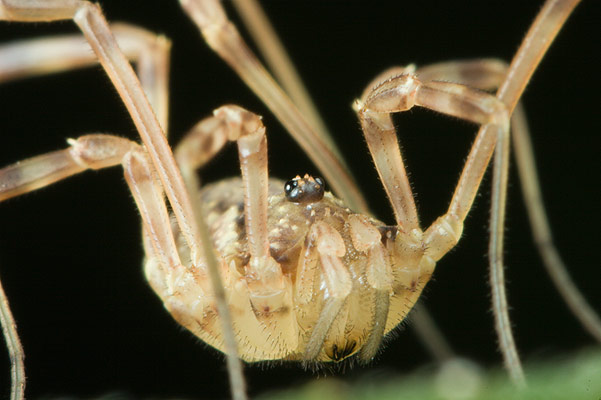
70, 255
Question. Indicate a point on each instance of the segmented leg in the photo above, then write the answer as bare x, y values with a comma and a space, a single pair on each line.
326, 246
269, 291
541, 229
265, 37
28, 58
15, 349
421, 77
232, 123
402, 92
367, 238
540, 35
90, 20
322, 250
102, 151
223, 37
95, 152
211, 19
488, 74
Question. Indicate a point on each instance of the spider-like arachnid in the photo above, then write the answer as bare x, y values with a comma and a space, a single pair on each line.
393, 55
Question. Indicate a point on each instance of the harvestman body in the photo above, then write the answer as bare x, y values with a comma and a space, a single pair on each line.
306, 277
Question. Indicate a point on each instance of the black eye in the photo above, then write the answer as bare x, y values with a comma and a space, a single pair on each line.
304, 190
290, 186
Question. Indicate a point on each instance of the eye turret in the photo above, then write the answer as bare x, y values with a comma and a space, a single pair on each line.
304, 190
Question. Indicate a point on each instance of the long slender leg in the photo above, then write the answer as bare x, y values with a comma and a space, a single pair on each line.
26, 58
402, 92
277, 59
223, 37
540, 35
40, 56
283, 68
90, 20
15, 349
480, 73
270, 292
151, 54
101, 151
488, 74
88, 152
446, 230
483, 74
199, 145
272, 49
324, 243
235, 52
207, 138
32, 174
541, 229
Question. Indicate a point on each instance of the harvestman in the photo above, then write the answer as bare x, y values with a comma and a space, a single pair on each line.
311, 262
